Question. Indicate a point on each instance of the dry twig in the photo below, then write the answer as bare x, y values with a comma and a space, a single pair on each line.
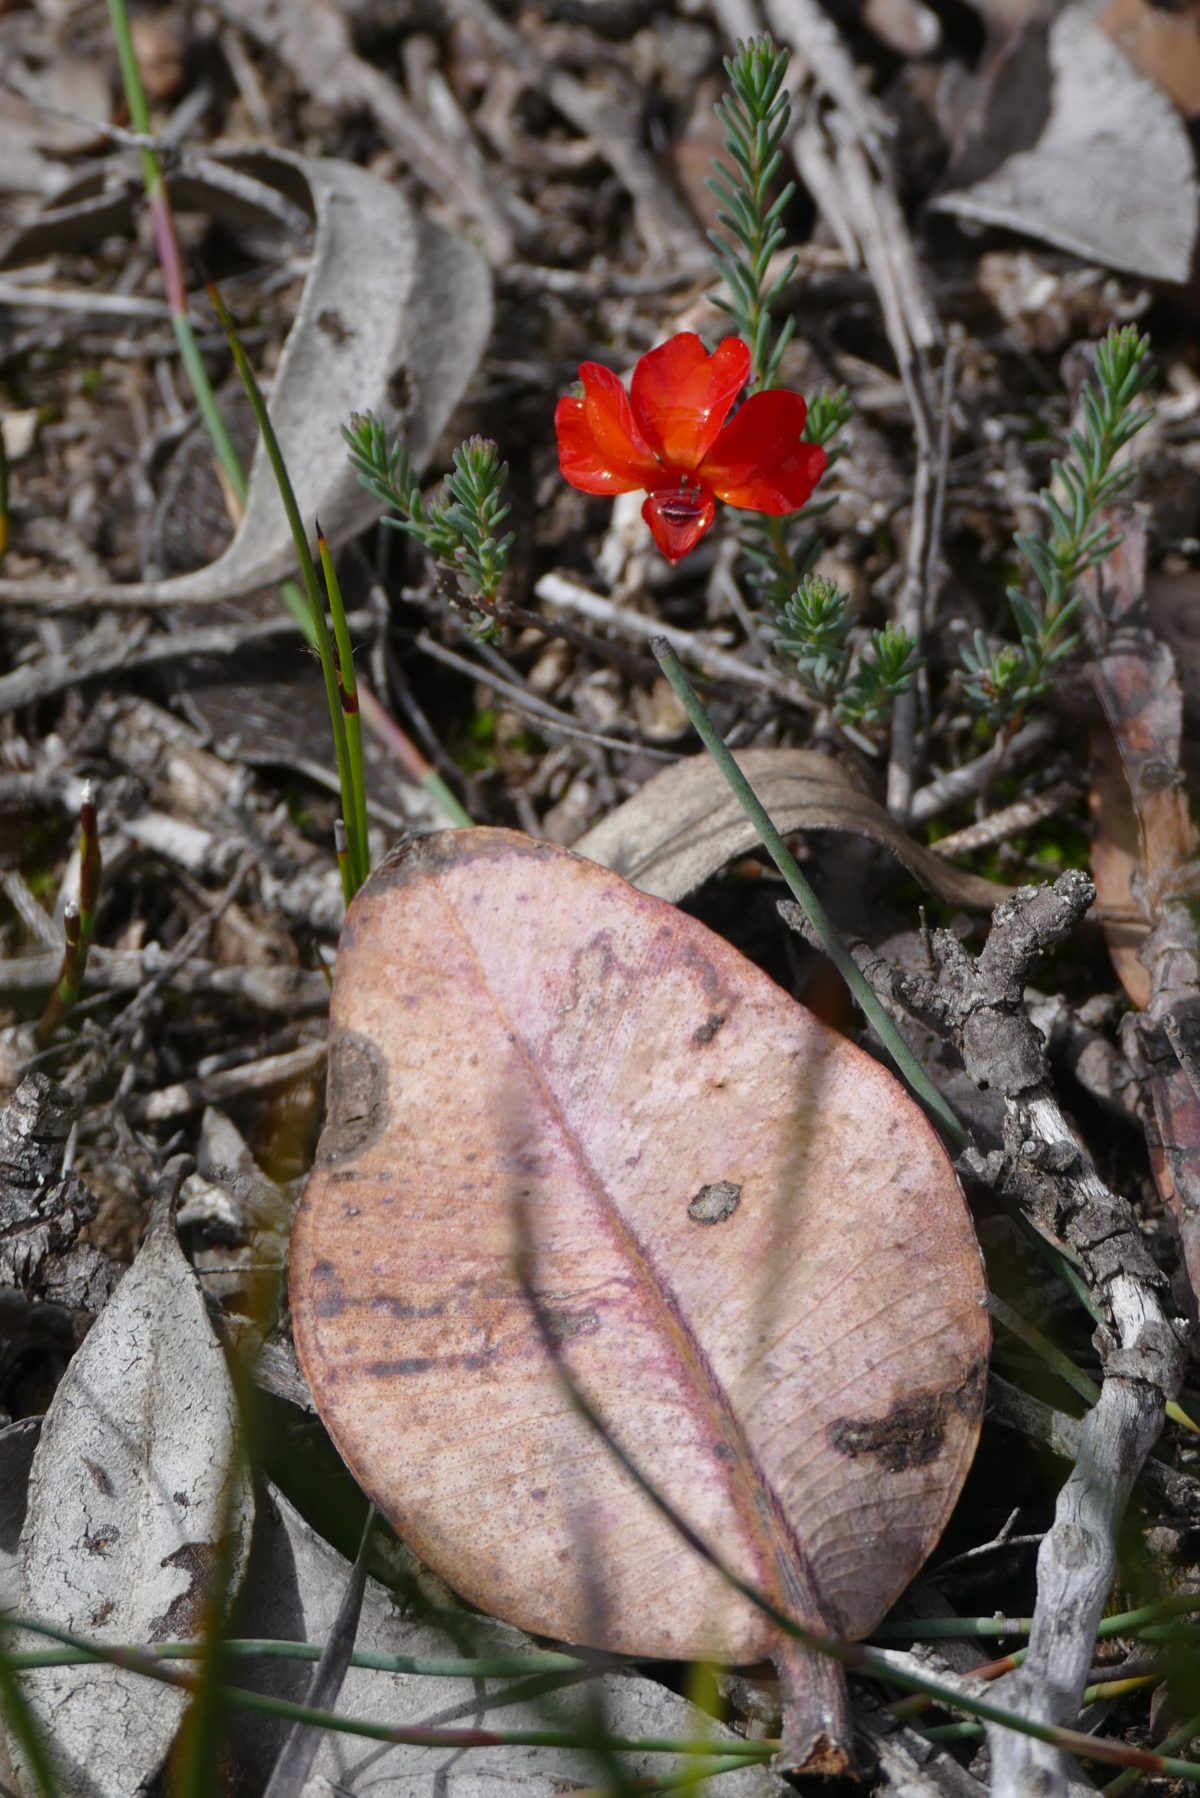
1044, 1167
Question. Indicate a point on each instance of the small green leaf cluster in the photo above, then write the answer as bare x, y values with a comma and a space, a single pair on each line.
782, 551
755, 115
1002, 681
814, 626
460, 531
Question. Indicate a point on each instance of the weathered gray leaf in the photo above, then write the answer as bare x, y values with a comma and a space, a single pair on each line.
1050, 153
685, 824
128, 1499
394, 317
294, 1588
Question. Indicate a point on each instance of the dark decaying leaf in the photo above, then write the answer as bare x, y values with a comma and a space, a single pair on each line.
748, 1243
129, 1496
394, 317
17, 1443
1069, 143
685, 824
294, 1588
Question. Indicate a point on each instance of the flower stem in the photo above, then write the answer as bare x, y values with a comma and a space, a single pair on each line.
348, 693
166, 242
906, 1063
320, 624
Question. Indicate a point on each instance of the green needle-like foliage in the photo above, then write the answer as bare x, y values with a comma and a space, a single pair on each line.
475, 510
814, 628
755, 114
882, 674
1003, 680
459, 532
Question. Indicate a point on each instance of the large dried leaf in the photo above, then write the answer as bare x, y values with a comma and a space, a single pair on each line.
685, 824
128, 1498
394, 317
1047, 152
748, 1243
294, 1588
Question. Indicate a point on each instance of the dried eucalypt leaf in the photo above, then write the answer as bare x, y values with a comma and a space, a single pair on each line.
749, 1242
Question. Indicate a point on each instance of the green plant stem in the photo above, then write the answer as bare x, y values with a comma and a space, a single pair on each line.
1062, 1364
907, 1065
1107, 1690
171, 263
1178, 1738
348, 691
500, 1666
1124, 1623
166, 241
321, 637
432, 1736
1047, 1351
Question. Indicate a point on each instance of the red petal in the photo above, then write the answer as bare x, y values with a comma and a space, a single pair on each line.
600, 449
682, 395
679, 519
760, 461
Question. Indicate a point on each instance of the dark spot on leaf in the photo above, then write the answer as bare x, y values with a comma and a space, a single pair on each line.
911, 1433
99, 1476
560, 1325
722, 1451
709, 1028
713, 1204
382, 1370
181, 1498
401, 1308
184, 1616
329, 1300
357, 1097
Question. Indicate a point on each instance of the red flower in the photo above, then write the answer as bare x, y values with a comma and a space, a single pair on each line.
668, 436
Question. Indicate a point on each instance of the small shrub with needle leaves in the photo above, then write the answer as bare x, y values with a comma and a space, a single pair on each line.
815, 627
1003, 680
460, 532
756, 115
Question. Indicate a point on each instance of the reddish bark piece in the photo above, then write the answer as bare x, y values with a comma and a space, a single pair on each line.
1148, 853
750, 1245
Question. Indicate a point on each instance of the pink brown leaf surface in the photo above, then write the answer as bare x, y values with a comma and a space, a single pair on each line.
749, 1244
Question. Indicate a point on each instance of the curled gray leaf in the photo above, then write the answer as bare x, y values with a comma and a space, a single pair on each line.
135, 1489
